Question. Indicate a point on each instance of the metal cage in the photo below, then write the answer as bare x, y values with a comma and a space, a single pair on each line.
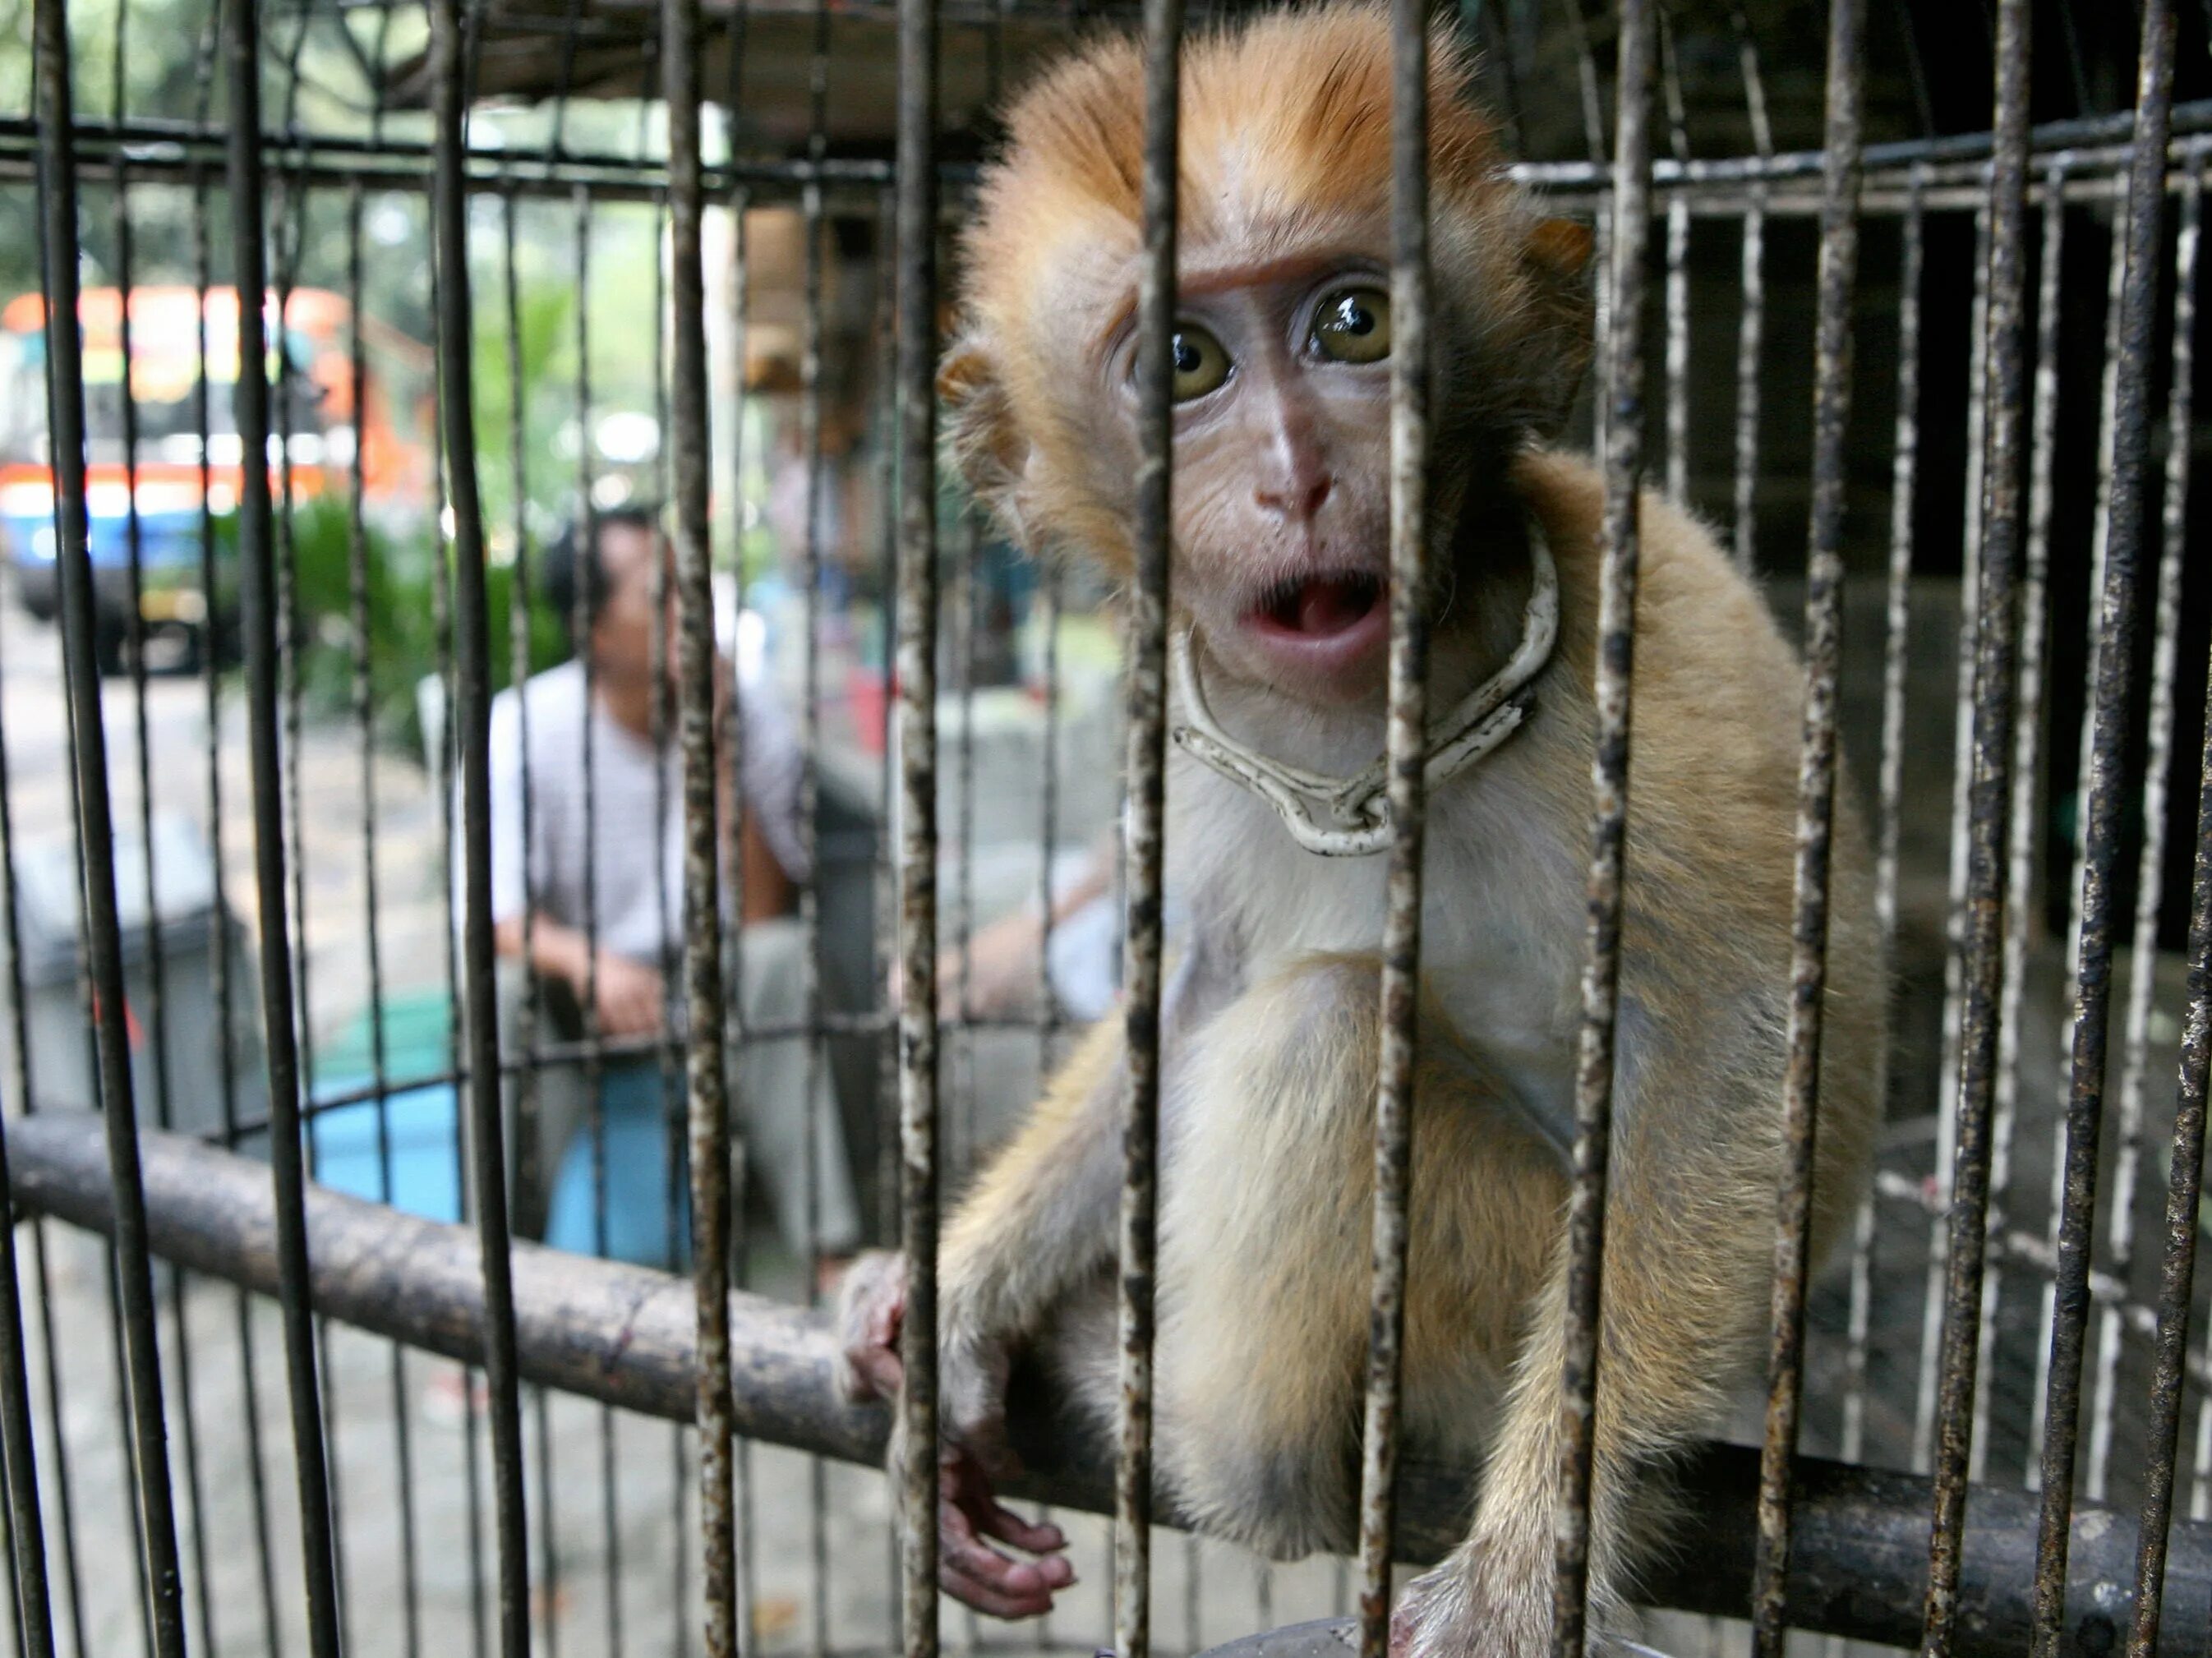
1973, 1433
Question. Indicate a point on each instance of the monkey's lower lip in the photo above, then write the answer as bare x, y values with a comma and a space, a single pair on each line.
1319, 607
1325, 623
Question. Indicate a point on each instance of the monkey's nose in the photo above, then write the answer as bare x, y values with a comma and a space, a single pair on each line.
1299, 499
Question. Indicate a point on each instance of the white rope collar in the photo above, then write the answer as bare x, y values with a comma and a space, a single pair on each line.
1354, 819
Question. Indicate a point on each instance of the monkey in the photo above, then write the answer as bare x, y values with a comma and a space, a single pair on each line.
1270, 1015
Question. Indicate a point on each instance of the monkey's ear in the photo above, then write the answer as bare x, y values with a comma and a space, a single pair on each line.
979, 424
1557, 259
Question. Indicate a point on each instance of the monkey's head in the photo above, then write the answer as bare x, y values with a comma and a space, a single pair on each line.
1282, 381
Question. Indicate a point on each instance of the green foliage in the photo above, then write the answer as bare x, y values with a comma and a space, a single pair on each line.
405, 640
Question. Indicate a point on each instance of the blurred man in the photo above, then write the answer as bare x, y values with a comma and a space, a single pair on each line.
599, 911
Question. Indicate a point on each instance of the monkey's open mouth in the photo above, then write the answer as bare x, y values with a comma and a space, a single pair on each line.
1319, 607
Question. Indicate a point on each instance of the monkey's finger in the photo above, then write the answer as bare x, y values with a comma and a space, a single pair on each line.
998, 1603
1008, 1526
1011, 1588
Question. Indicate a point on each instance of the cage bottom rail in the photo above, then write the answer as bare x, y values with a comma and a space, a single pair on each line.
625, 1335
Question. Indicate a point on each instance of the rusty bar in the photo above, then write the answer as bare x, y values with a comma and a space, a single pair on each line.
708, 1099
1954, 918
1816, 798
2184, 1183
1147, 635
1677, 310
1981, 947
2022, 834
2158, 754
1905, 460
916, 187
1622, 401
472, 709
1407, 742
2099, 547
1751, 325
2103, 784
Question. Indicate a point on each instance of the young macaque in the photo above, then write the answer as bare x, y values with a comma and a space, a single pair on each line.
1280, 571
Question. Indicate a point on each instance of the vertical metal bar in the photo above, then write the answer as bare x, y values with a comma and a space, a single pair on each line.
256, 586
157, 1020
1751, 325
1407, 741
60, 248
1603, 208
1816, 796
709, 1116
810, 755
441, 621
1623, 425
595, 1123
2101, 811
1890, 786
1982, 946
219, 942
291, 635
364, 713
533, 1173
2100, 547
916, 185
731, 794
2158, 758
1146, 705
27, 1535
472, 710
2184, 1183
1955, 921
1678, 277
2023, 833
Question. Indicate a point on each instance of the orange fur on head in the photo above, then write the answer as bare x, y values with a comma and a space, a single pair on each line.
1285, 141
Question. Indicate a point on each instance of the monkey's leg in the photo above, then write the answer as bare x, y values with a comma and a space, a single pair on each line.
1689, 1238
1263, 1256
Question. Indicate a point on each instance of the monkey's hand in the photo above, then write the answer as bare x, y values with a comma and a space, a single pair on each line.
972, 1449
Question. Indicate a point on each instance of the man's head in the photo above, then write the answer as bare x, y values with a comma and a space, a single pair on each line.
607, 565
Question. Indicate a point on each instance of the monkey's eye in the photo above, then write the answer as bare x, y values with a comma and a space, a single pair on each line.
1200, 363
1353, 324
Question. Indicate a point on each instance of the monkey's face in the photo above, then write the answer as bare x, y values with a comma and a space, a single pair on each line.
1281, 518
1281, 500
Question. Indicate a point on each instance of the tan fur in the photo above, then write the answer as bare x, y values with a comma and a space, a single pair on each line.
1270, 1051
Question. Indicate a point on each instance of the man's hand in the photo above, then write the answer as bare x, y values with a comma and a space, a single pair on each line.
631, 997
